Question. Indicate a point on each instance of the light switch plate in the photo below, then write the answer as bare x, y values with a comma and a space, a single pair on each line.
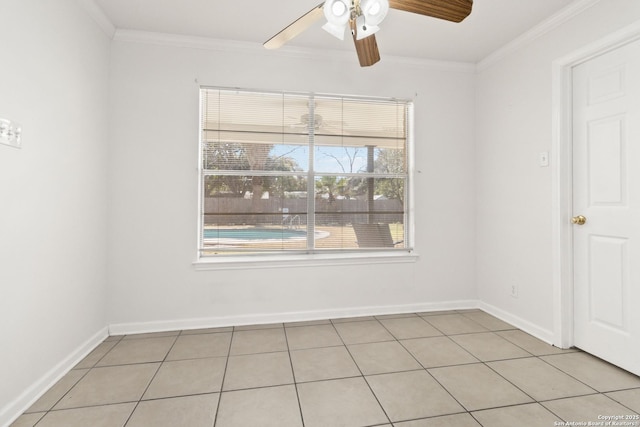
10, 133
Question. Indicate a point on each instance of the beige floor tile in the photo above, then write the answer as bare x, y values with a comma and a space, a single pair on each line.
98, 353
531, 344
346, 402
411, 395
458, 420
186, 377
181, 376
585, 408
258, 341
363, 332
96, 416
490, 322
628, 398
478, 387
27, 420
451, 324
323, 364
258, 370
382, 357
138, 351
264, 407
438, 351
489, 346
409, 327
594, 372
55, 393
151, 335
539, 379
206, 330
258, 327
200, 346
114, 384
312, 337
191, 411
530, 415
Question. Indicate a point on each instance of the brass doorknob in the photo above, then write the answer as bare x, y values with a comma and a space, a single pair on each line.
579, 220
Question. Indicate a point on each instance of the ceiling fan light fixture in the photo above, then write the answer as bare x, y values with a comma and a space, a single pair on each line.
337, 13
374, 11
336, 31
338, 8
364, 29
364, 32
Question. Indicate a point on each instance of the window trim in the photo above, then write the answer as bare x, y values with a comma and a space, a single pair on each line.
296, 260
313, 258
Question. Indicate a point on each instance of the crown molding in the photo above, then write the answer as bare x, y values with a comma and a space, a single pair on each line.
98, 16
564, 15
193, 42
248, 48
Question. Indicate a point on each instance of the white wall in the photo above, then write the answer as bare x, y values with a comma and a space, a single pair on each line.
153, 193
54, 81
514, 194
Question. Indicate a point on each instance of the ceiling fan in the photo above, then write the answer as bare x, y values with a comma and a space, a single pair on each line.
318, 123
363, 17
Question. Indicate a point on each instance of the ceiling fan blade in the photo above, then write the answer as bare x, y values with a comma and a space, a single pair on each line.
295, 28
450, 10
367, 50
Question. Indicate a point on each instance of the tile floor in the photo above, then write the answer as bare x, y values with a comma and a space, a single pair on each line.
458, 368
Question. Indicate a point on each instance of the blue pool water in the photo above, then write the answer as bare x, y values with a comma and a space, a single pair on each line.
253, 233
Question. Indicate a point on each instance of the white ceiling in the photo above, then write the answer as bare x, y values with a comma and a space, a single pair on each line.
491, 25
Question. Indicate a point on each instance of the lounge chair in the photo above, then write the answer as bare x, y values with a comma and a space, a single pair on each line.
374, 236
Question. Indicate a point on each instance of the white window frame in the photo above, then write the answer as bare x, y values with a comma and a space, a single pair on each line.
297, 259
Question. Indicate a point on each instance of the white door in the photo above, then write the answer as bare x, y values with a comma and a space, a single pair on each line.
606, 191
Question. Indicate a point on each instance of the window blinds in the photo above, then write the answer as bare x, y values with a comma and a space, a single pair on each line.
295, 172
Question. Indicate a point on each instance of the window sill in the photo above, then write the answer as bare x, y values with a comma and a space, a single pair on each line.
303, 260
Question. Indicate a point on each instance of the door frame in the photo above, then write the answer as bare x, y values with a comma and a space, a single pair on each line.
562, 176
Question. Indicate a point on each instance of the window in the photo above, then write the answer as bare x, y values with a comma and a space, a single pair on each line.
305, 173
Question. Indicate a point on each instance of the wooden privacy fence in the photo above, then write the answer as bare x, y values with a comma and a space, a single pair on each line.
292, 212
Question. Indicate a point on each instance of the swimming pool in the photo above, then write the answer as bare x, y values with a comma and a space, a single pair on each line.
249, 234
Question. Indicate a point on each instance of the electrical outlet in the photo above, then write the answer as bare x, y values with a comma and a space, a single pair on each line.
514, 291
10, 133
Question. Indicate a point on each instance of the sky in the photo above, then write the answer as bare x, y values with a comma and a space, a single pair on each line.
327, 159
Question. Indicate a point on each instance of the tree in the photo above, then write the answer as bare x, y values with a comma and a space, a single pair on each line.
390, 161
278, 185
246, 157
225, 156
331, 186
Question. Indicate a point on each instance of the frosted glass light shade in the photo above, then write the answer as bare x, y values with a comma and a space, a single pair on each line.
374, 11
337, 13
336, 31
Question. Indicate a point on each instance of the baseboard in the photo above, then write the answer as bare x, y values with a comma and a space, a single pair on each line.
520, 323
258, 319
10, 412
